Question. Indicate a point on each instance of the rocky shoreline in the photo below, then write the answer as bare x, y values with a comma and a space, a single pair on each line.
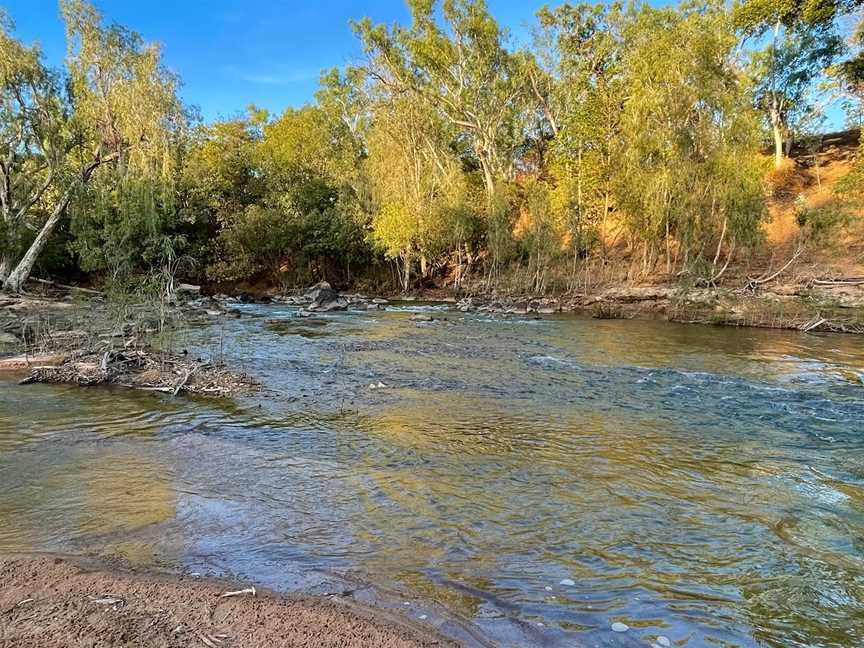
68, 341
828, 307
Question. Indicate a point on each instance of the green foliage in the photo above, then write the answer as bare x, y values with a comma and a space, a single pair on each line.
757, 16
821, 223
460, 67
124, 223
446, 147
417, 182
282, 197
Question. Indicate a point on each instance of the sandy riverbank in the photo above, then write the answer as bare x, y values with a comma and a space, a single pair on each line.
54, 602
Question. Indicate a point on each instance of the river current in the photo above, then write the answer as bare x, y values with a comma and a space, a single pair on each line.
518, 481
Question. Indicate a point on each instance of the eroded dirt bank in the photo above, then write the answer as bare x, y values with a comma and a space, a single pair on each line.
54, 602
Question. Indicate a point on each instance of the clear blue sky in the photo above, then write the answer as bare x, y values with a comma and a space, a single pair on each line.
230, 53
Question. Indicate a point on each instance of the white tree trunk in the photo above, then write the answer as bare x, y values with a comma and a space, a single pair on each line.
406, 277
16, 279
19, 276
778, 144
5, 265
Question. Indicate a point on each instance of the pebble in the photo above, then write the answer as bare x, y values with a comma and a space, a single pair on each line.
548, 589
567, 582
664, 641
620, 627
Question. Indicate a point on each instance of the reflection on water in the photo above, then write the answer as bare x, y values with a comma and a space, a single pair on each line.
698, 483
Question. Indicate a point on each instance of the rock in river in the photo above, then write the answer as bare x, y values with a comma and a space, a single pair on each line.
324, 298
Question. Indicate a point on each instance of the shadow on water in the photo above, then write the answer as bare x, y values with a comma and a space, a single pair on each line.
541, 478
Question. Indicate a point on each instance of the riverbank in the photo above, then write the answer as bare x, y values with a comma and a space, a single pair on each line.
837, 308
84, 339
53, 601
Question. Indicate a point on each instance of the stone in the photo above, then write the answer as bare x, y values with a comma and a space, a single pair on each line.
620, 627
337, 304
421, 317
325, 299
567, 582
665, 642
189, 289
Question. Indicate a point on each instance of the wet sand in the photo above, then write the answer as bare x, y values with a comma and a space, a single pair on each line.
53, 601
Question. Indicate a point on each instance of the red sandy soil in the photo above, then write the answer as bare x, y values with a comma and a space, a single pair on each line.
53, 602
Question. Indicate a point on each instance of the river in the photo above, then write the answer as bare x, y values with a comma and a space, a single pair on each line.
537, 479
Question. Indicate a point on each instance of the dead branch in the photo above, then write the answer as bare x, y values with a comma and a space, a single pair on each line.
753, 284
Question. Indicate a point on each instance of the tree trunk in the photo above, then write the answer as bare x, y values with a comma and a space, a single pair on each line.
406, 276
488, 181
18, 277
5, 265
778, 142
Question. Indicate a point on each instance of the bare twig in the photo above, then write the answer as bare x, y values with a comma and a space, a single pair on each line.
248, 590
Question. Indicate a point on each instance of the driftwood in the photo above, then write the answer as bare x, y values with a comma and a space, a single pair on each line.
144, 370
851, 281
753, 284
248, 590
39, 360
46, 282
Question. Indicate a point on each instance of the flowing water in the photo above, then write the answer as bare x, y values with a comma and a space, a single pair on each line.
539, 479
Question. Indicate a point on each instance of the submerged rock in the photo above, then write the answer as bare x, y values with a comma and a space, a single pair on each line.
421, 317
620, 627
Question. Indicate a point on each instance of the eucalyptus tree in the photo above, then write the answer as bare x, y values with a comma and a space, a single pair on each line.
785, 72
800, 41
580, 47
32, 138
688, 173
121, 111
418, 184
461, 66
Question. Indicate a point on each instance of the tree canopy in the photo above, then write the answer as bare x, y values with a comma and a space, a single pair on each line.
446, 150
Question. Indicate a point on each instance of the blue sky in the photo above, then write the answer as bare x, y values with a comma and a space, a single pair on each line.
230, 53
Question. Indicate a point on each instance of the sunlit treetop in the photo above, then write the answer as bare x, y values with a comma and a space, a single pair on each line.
753, 17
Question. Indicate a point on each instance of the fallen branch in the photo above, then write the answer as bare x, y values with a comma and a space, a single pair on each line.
814, 324
139, 369
46, 282
753, 284
853, 281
